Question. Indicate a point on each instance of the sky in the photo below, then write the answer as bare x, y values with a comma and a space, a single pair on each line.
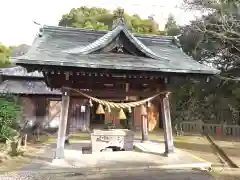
17, 16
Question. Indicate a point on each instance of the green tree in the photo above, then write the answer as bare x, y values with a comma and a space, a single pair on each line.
9, 114
171, 27
5, 54
214, 40
102, 19
218, 33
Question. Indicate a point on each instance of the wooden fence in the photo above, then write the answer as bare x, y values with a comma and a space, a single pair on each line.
211, 129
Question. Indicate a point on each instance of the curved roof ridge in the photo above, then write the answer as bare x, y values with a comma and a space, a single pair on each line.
99, 43
141, 46
107, 38
64, 29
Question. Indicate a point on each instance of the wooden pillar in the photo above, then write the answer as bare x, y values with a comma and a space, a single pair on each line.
62, 126
130, 119
166, 117
67, 142
144, 123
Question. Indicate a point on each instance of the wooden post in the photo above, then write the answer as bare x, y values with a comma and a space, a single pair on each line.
67, 142
130, 119
166, 116
62, 126
144, 123
25, 140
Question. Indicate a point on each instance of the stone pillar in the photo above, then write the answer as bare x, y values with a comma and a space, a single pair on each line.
59, 154
166, 117
144, 123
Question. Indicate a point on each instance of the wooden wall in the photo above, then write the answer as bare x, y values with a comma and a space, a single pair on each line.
29, 109
48, 110
79, 115
44, 110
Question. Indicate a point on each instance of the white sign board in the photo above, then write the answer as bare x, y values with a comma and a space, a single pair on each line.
83, 109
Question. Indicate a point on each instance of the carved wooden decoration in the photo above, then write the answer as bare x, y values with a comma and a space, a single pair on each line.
119, 48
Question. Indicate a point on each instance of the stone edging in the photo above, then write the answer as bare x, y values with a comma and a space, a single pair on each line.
222, 153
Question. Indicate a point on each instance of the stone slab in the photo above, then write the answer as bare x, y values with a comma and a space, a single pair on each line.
179, 158
120, 160
152, 158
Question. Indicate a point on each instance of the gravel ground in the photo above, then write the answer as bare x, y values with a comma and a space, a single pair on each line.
116, 175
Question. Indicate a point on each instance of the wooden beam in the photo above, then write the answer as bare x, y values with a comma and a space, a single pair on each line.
98, 72
102, 85
107, 79
115, 93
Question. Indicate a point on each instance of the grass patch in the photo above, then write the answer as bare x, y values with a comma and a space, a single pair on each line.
155, 136
80, 136
181, 139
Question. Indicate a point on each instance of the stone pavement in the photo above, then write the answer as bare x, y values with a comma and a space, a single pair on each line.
151, 157
178, 159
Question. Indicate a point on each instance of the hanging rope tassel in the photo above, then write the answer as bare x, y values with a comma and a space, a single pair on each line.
122, 114
118, 105
100, 110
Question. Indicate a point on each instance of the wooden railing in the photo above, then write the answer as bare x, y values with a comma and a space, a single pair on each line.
211, 129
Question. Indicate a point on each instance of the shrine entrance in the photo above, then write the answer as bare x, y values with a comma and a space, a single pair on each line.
114, 69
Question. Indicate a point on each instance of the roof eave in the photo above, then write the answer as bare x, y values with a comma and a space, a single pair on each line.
26, 62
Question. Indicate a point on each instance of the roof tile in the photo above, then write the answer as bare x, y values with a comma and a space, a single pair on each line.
53, 48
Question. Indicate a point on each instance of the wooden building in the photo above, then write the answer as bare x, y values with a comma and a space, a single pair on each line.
43, 105
110, 65
32, 93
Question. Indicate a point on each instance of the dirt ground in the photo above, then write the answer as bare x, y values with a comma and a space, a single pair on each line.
200, 147
194, 144
26, 155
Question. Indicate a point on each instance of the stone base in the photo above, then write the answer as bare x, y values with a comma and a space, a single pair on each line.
169, 153
144, 141
60, 162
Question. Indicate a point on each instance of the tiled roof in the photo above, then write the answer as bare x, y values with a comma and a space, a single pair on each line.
108, 38
26, 87
19, 71
62, 46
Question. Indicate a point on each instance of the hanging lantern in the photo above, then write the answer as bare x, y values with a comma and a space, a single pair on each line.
90, 103
122, 114
100, 110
